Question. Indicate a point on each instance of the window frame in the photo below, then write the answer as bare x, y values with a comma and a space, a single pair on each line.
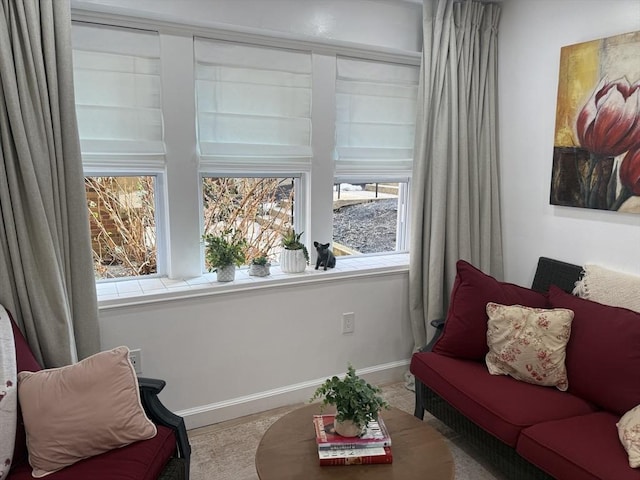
159, 210
300, 194
178, 223
402, 223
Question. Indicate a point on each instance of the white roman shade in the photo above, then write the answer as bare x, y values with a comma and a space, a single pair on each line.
375, 117
253, 103
117, 91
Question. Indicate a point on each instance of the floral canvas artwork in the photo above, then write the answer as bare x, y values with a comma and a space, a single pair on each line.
596, 158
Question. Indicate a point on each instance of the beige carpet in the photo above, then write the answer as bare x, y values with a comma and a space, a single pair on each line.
226, 451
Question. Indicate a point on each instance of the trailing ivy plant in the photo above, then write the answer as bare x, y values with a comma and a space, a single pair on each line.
353, 398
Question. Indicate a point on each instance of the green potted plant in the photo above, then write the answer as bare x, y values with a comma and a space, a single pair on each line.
224, 252
294, 256
259, 266
356, 401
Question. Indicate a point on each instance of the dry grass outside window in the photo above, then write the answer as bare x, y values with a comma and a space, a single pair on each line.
123, 225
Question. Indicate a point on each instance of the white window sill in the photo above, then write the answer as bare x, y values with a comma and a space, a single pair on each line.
120, 293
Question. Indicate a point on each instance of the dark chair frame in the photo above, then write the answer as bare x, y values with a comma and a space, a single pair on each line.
178, 467
503, 457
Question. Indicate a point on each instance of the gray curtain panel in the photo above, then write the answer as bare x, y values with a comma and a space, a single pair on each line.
455, 204
46, 273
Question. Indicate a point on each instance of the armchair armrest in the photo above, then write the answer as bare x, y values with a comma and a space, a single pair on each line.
153, 385
161, 415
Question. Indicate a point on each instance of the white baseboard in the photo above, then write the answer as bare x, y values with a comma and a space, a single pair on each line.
280, 397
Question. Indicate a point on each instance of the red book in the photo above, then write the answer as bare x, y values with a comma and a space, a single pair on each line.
374, 435
355, 456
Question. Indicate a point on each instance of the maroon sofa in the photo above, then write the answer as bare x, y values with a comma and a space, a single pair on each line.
529, 431
165, 456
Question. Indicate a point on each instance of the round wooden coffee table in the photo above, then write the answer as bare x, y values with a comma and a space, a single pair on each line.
288, 451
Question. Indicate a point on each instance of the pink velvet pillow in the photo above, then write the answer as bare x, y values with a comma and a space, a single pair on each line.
465, 329
603, 354
81, 410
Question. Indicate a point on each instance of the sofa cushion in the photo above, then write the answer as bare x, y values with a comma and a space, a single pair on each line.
603, 358
91, 407
499, 404
528, 343
585, 447
142, 460
465, 329
629, 434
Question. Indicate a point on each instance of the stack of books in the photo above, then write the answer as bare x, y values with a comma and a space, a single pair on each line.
372, 446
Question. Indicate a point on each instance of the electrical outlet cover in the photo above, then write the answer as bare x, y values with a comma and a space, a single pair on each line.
135, 356
348, 322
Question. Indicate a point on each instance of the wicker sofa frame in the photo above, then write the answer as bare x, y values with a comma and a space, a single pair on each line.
500, 455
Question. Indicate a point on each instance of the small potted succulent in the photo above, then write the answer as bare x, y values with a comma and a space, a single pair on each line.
294, 256
224, 252
259, 266
356, 401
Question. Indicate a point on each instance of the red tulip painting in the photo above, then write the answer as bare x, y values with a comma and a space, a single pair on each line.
630, 171
596, 161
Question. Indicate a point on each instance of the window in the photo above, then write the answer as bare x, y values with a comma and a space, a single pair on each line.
254, 117
123, 227
118, 105
260, 209
185, 134
369, 217
375, 123
254, 105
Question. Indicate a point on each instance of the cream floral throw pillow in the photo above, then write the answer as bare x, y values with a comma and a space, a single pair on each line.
629, 433
528, 343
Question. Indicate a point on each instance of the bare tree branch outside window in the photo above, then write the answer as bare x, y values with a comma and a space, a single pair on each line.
259, 208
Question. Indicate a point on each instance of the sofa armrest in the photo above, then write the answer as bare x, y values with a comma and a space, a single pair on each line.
161, 415
419, 406
555, 272
439, 325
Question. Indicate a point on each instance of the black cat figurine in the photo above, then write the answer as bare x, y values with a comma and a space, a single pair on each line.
326, 257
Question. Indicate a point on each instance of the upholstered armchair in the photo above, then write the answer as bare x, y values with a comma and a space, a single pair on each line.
164, 455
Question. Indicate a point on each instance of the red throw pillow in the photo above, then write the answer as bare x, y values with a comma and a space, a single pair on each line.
603, 353
465, 329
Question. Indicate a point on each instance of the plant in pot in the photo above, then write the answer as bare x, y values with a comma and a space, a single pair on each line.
224, 252
259, 266
356, 402
294, 256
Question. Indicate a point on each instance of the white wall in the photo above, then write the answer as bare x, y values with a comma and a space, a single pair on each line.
531, 35
233, 354
394, 24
